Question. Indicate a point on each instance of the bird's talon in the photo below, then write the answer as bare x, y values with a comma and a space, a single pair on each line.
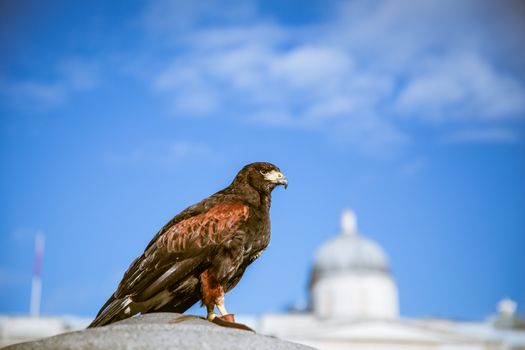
220, 321
211, 316
228, 318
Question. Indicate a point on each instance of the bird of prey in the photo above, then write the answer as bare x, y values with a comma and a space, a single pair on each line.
201, 253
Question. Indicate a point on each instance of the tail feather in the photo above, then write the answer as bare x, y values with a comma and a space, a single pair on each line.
114, 311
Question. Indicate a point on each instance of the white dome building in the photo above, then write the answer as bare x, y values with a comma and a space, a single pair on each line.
351, 278
354, 305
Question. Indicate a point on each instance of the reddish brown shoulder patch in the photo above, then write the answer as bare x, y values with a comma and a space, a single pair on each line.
211, 227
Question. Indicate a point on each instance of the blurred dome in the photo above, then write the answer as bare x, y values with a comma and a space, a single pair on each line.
349, 252
351, 278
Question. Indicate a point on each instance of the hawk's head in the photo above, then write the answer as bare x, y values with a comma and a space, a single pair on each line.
264, 177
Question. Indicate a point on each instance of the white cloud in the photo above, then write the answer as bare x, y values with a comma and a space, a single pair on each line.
434, 64
311, 67
358, 76
464, 86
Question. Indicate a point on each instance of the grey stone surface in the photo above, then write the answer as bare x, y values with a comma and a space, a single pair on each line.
159, 331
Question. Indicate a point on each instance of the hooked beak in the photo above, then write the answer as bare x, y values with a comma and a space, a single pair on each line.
283, 181
278, 178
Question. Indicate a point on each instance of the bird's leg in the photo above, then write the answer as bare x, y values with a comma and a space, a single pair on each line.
210, 312
211, 290
222, 309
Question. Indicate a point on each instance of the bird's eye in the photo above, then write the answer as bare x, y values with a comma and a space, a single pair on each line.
263, 173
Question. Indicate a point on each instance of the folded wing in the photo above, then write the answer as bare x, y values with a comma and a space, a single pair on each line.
183, 248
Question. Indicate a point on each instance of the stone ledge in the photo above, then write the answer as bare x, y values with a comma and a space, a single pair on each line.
157, 331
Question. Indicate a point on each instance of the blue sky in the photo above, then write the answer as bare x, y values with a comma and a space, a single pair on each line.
117, 115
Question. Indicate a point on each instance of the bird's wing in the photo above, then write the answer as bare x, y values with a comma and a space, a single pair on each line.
181, 248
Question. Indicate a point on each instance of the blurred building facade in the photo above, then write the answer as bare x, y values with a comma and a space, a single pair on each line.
354, 305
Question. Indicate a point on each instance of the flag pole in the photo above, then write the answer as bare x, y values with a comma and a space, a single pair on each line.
36, 285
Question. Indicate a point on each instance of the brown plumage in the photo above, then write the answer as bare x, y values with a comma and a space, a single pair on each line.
202, 252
